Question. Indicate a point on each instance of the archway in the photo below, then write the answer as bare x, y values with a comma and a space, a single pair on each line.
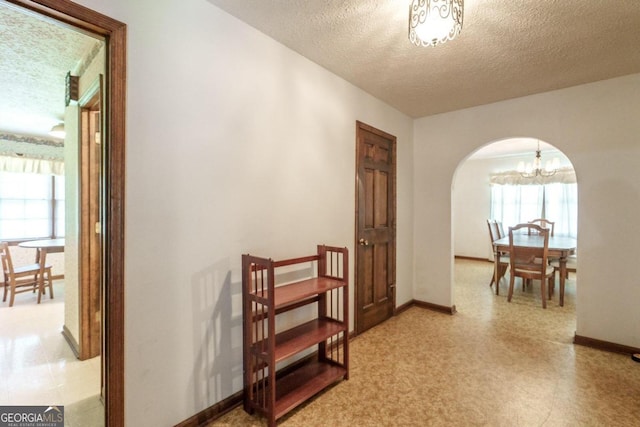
475, 183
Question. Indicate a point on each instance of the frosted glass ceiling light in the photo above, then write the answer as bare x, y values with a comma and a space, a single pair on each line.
57, 131
432, 22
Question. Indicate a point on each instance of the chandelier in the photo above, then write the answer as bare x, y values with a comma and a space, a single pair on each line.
432, 22
533, 170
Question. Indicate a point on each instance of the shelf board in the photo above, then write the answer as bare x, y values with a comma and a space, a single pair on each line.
301, 384
304, 336
291, 293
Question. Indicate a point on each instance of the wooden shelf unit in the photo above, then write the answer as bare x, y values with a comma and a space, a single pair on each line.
274, 385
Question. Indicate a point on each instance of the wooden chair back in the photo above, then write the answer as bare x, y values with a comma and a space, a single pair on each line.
530, 262
28, 278
494, 230
544, 223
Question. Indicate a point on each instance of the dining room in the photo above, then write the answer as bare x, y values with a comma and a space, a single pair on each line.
515, 181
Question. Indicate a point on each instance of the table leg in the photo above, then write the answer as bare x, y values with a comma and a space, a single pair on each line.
496, 271
563, 275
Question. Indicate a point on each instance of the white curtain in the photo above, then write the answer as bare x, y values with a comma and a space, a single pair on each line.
562, 207
28, 165
515, 204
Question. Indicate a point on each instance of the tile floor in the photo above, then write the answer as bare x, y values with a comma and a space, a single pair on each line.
493, 363
37, 366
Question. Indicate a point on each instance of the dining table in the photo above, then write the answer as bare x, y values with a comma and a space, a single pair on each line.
43, 247
559, 247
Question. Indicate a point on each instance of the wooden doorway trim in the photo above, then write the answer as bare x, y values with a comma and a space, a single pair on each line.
375, 227
78, 16
91, 235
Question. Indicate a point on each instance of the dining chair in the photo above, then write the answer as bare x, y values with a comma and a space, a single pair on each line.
544, 223
571, 266
530, 263
25, 278
494, 234
501, 232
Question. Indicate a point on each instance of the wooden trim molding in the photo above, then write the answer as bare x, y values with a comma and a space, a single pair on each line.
435, 307
429, 306
213, 412
472, 258
604, 345
115, 33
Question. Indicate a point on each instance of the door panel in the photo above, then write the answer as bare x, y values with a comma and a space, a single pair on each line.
375, 227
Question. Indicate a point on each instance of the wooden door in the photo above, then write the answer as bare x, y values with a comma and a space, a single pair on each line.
375, 226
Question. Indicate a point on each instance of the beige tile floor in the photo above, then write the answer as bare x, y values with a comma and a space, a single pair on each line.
37, 366
492, 364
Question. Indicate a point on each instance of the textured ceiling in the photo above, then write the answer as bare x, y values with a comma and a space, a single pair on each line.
35, 56
507, 48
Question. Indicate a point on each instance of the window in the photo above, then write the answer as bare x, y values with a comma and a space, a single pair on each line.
31, 206
558, 202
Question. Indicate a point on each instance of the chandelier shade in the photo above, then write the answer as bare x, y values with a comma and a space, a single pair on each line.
432, 22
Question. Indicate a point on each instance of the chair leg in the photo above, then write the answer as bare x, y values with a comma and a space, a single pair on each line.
510, 294
50, 280
543, 293
41, 287
12, 295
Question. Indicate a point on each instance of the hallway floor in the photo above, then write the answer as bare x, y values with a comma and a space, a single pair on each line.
493, 363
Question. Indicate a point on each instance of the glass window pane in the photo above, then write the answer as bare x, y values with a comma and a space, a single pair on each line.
26, 205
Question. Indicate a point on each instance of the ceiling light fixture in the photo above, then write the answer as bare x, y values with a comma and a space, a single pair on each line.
535, 169
57, 131
432, 22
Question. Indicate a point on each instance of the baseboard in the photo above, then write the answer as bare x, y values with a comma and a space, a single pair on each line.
604, 345
75, 347
472, 258
206, 416
404, 307
435, 307
429, 306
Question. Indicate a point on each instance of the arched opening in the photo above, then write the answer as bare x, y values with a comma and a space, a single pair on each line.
488, 185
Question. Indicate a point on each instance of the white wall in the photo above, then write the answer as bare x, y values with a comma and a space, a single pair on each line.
235, 144
597, 127
471, 193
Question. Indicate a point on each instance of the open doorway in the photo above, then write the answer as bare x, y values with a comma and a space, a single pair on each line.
112, 237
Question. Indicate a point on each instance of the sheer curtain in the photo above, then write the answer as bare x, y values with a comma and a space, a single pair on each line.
515, 204
562, 207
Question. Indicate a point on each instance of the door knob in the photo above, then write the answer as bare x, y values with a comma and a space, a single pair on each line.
363, 242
